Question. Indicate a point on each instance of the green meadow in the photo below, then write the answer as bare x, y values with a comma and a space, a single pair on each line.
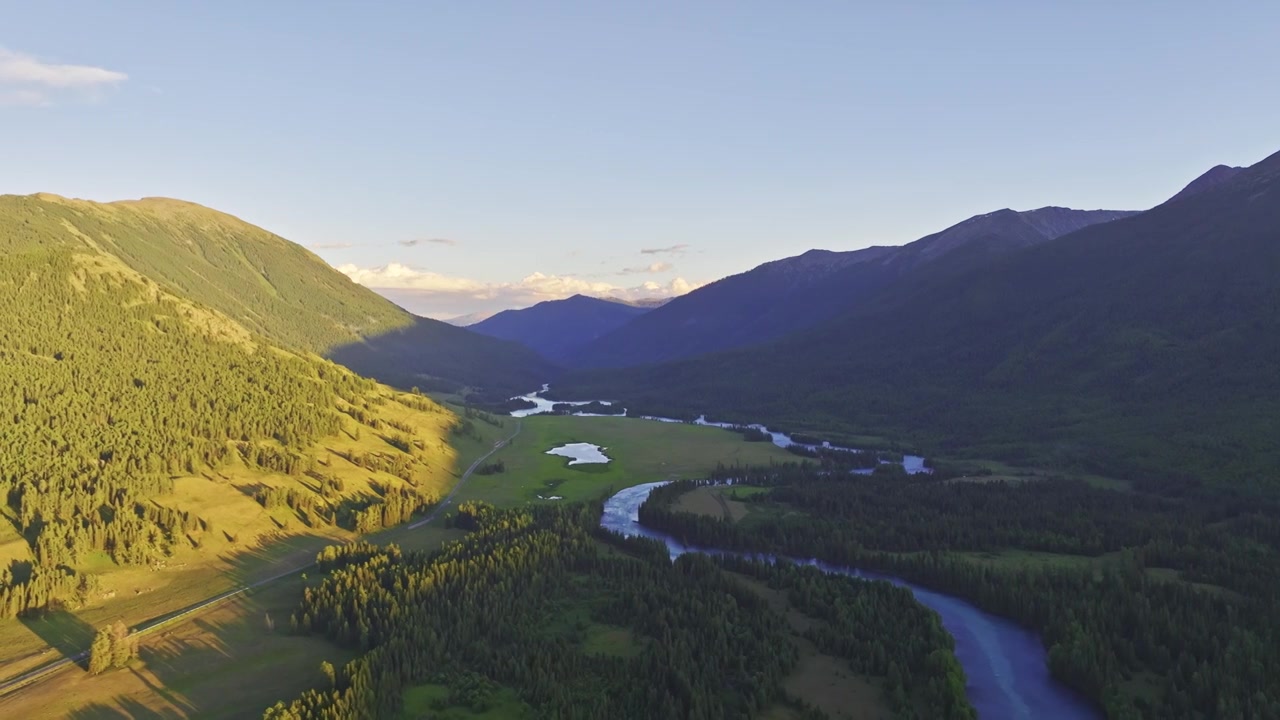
640, 451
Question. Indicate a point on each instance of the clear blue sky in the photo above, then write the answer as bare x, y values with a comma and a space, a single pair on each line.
564, 138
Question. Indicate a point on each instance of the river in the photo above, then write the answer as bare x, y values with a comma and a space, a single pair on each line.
1006, 665
911, 463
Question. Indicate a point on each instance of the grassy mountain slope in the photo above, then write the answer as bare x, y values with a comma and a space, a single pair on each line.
558, 329
155, 451
269, 286
1148, 346
787, 295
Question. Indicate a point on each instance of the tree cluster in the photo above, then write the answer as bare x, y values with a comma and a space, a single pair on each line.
112, 647
1208, 637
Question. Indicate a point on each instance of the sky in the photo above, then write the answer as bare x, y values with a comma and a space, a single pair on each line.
466, 157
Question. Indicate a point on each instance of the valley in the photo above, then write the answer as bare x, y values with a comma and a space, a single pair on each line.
675, 362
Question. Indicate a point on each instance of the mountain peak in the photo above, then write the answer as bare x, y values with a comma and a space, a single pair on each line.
1213, 177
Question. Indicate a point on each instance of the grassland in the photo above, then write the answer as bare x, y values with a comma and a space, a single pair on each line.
212, 666
818, 678
996, 471
640, 451
719, 501
189, 668
431, 700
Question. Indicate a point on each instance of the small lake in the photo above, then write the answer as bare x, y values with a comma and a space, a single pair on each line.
580, 453
543, 405
1006, 664
913, 464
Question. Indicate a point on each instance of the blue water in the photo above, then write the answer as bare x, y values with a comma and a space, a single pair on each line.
1006, 665
913, 464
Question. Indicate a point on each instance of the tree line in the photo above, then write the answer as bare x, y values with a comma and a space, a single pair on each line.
514, 602
1110, 613
111, 388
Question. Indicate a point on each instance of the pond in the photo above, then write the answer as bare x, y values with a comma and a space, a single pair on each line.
581, 453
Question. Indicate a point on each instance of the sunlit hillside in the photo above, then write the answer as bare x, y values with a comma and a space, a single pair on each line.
155, 451
268, 285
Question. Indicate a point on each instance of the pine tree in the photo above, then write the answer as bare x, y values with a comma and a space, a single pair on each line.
100, 657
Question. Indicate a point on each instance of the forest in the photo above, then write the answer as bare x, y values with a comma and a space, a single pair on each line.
517, 603
1153, 607
113, 387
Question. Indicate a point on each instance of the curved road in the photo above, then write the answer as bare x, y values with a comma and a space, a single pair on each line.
462, 480
32, 676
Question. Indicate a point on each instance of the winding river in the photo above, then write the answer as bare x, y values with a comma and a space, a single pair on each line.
1006, 665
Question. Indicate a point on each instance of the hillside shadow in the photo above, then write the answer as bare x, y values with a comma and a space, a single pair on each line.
124, 708
189, 667
61, 630
424, 353
273, 556
245, 642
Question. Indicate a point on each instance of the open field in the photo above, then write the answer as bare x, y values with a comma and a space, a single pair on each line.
725, 502
242, 541
818, 678
211, 666
996, 471
432, 701
246, 543
641, 451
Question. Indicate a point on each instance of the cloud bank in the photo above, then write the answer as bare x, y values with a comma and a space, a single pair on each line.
26, 80
444, 296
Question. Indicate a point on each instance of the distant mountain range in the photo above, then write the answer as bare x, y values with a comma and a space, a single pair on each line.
471, 318
559, 329
1146, 344
788, 295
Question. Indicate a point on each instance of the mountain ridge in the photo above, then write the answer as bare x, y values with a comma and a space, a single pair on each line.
1147, 347
787, 295
271, 286
556, 329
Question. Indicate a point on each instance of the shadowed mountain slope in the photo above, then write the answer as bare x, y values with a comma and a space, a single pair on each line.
557, 329
787, 295
1145, 346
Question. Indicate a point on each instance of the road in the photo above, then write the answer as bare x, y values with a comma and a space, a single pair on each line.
28, 678
462, 480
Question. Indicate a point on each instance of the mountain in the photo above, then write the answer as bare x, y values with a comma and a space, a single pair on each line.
784, 296
271, 287
1147, 347
470, 318
557, 329
1213, 177
649, 303
146, 429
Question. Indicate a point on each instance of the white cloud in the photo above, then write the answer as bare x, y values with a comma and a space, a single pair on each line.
444, 296
423, 241
331, 246
650, 269
26, 80
673, 249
